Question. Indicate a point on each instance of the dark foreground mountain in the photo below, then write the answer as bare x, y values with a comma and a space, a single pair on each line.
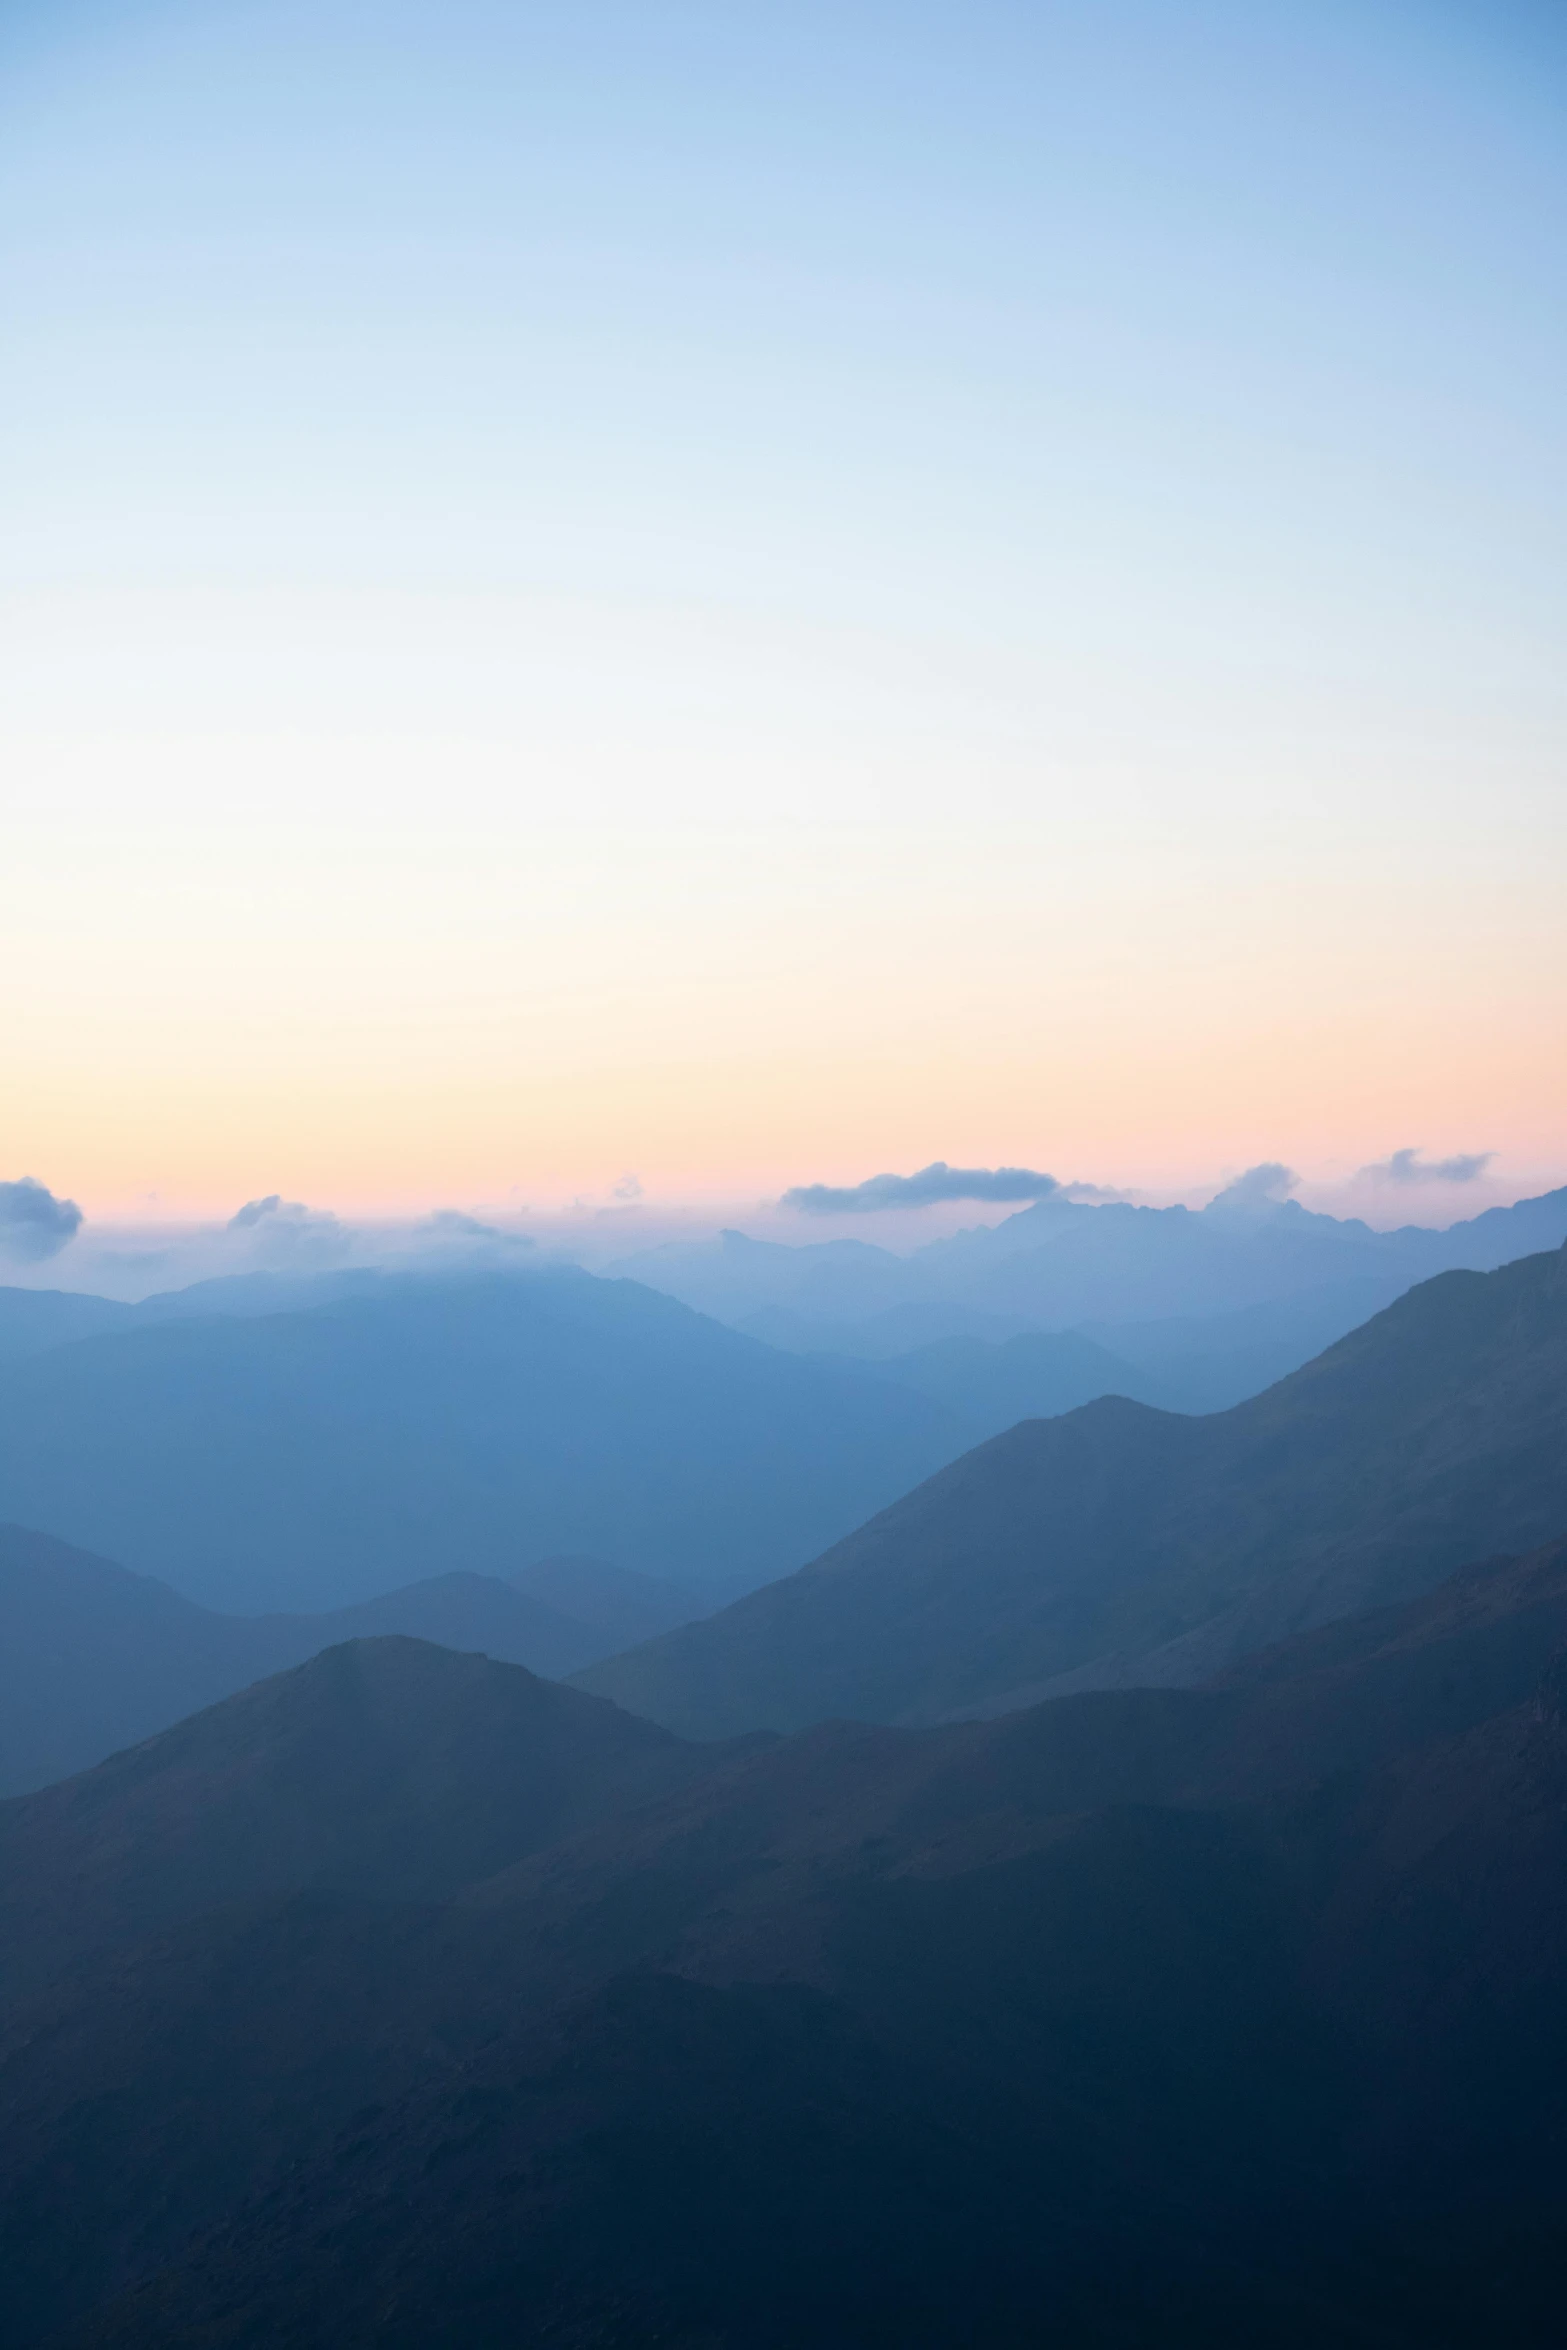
93, 1658
1132, 1545
412, 1425
1229, 2017
389, 1769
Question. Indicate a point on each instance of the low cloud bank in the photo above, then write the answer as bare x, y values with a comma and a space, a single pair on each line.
451, 1235
289, 1239
1264, 1186
256, 1211
284, 1232
33, 1223
929, 1188
1407, 1166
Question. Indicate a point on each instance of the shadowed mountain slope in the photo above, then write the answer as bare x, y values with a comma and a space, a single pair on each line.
387, 1769
1346, 1698
93, 1658
1146, 1547
1104, 2024
413, 1425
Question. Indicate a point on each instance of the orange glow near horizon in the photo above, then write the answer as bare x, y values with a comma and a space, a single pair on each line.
724, 1012
687, 604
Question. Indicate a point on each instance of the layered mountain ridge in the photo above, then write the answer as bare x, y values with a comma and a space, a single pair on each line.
1063, 1262
406, 1426
1121, 1544
408, 2000
93, 1658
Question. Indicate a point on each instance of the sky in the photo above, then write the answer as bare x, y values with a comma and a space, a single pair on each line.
717, 599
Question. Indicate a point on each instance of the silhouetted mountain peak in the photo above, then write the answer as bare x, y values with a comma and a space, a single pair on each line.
94, 1658
355, 1712
389, 1769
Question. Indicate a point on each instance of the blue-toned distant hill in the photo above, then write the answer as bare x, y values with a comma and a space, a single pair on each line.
1063, 1263
1189, 1363
33, 1319
409, 1426
94, 1658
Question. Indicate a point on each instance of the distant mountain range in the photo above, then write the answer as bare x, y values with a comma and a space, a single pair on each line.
383, 1429
405, 2000
93, 1658
293, 1442
1122, 1544
1188, 1363
235, 1419
434, 1435
1064, 1263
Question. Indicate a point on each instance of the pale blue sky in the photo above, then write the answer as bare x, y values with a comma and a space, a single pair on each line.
1072, 495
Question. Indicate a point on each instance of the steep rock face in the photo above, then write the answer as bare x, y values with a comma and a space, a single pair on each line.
1146, 1547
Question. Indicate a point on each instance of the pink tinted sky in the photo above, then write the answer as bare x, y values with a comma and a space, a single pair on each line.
723, 595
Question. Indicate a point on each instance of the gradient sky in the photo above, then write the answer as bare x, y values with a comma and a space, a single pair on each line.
754, 594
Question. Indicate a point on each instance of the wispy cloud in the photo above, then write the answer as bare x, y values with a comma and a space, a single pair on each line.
1407, 1166
927, 1189
454, 1224
451, 1234
33, 1223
